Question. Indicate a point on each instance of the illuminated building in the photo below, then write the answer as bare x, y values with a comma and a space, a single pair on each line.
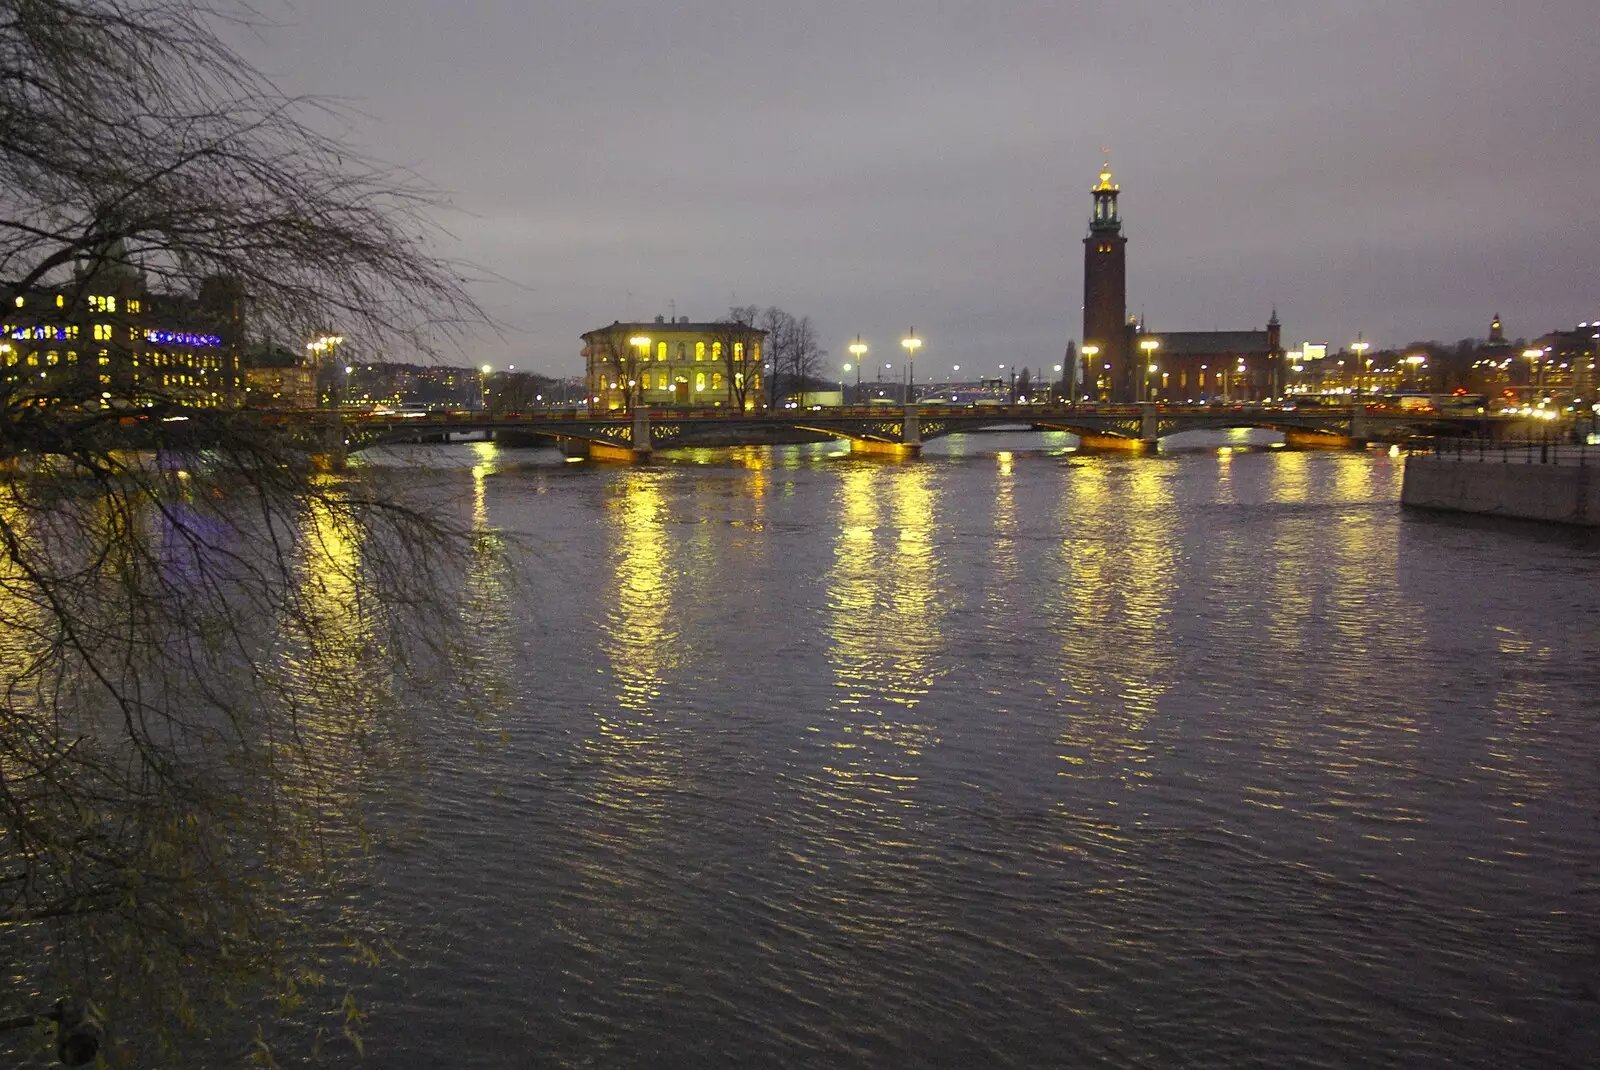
1197, 366
675, 364
1106, 337
1125, 363
105, 335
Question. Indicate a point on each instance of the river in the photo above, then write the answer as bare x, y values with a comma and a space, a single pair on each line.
1003, 757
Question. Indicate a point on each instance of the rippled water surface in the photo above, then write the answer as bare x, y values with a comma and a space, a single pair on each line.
1004, 758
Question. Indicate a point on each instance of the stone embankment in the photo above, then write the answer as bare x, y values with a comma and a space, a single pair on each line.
1535, 481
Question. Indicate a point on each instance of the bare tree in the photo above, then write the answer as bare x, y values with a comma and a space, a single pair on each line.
196, 652
619, 359
738, 359
793, 354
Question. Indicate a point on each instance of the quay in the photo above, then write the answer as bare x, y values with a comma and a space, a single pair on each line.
1545, 481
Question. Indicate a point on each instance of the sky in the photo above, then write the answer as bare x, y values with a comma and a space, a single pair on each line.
1404, 169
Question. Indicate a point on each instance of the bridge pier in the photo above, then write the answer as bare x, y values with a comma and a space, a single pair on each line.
1319, 440
330, 451
1113, 443
885, 449
1358, 424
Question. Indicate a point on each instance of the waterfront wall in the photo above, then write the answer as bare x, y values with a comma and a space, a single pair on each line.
1560, 493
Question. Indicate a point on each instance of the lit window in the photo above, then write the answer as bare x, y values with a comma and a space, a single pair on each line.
755, 350
72, 331
61, 301
102, 332
699, 380
105, 380
738, 351
661, 351
105, 358
19, 300
11, 358
33, 360
716, 380
661, 380
133, 306
111, 304
716, 350
699, 351
52, 358
72, 356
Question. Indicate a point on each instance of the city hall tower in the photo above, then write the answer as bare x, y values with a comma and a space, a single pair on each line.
1105, 299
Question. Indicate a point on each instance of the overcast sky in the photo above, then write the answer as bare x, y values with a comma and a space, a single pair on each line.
1403, 168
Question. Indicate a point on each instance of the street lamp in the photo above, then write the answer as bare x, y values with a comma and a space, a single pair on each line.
911, 343
841, 383
858, 349
1089, 351
1360, 347
1535, 355
1417, 361
324, 348
642, 341
1149, 345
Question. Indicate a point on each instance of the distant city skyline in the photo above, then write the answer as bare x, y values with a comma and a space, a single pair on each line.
1402, 171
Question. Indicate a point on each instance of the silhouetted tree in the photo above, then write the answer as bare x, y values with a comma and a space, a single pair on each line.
200, 647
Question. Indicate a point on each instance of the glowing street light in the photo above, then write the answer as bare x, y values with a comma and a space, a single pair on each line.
1089, 351
1149, 345
324, 348
1536, 355
642, 341
911, 343
858, 349
1360, 346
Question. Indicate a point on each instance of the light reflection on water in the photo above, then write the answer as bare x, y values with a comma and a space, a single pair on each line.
1012, 758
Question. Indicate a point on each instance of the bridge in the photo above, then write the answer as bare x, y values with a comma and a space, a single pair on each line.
903, 429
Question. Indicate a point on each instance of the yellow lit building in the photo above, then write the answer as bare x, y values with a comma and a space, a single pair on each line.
105, 337
676, 364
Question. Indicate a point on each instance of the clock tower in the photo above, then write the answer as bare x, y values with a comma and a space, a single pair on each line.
1105, 299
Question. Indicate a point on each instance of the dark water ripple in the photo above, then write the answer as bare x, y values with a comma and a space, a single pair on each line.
1006, 759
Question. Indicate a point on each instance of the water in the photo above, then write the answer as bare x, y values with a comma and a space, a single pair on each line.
1003, 758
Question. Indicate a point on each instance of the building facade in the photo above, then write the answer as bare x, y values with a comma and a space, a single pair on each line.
674, 364
106, 339
1196, 367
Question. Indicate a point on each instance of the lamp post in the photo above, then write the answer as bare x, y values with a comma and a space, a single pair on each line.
324, 348
483, 386
642, 343
845, 371
911, 343
1416, 362
858, 349
1535, 376
1089, 351
1149, 345
1360, 347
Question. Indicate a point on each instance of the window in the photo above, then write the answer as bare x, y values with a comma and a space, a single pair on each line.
72, 356
716, 380
699, 351
105, 358
72, 331
33, 360
52, 358
61, 301
755, 350
661, 380
133, 306
680, 350
699, 380
661, 351
19, 300
102, 332
738, 351
716, 350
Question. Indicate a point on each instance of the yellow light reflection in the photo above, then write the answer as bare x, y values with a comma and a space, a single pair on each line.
1117, 565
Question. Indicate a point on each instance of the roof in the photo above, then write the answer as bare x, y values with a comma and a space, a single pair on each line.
650, 327
1195, 343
